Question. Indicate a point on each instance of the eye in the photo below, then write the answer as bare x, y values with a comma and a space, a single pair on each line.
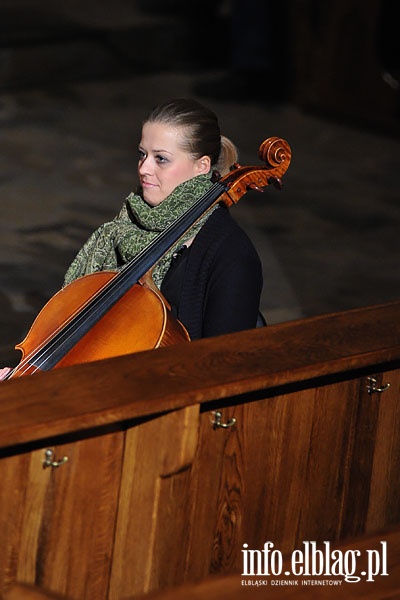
141, 154
161, 159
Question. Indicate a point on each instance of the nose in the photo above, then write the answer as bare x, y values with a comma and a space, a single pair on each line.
144, 166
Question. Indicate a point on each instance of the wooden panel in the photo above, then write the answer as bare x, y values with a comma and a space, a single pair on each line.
153, 516
34, 514
384, 507
286, 472
363, 435
13, 477
77, 541
59, 523
213, 451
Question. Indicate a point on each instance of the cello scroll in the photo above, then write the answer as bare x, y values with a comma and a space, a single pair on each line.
275, 152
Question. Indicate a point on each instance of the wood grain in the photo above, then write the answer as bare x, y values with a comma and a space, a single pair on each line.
96, 394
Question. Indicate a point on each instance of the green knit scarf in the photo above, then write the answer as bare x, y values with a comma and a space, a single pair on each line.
134, 228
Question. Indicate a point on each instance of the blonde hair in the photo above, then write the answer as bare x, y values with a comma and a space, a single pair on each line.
202, 132
228, 156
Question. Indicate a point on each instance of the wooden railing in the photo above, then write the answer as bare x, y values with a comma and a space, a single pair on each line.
140, 473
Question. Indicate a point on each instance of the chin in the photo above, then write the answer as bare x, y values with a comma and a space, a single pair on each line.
151, 201
149, 198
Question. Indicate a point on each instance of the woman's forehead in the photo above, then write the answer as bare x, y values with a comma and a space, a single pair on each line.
156, 134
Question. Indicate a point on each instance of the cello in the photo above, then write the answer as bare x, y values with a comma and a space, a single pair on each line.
112, 313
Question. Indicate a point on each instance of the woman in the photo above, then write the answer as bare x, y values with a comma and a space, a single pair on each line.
213, 277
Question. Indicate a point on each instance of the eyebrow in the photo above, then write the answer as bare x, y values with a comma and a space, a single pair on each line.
163, 151
155, 150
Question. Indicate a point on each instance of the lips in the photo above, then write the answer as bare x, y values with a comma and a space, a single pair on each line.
147, 184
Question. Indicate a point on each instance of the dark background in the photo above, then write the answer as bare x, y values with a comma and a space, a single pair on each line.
339, 58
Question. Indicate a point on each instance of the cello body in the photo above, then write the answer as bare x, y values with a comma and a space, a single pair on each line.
140, 320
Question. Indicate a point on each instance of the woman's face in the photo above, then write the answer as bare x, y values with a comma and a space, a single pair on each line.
163, 164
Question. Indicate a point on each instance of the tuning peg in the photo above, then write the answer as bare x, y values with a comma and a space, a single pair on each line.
276, 182
253, 186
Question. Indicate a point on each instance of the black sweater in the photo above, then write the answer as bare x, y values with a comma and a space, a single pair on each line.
217, 286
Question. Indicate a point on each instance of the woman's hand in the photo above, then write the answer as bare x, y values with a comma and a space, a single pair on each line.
4, 372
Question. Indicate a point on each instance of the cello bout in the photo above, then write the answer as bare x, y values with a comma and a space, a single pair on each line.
139, 320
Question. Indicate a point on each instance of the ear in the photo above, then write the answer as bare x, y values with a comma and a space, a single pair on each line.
203, 165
